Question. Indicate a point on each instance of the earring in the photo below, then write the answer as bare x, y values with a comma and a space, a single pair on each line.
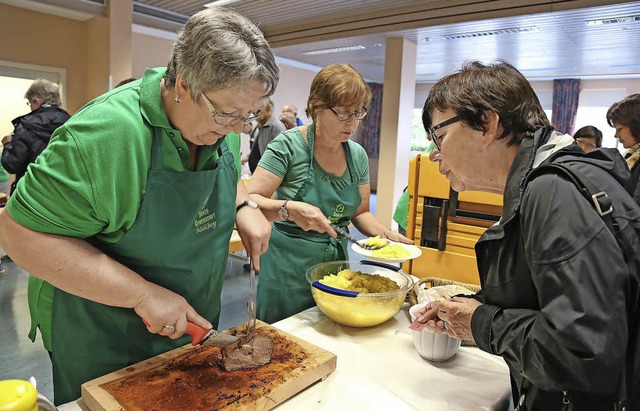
177, 99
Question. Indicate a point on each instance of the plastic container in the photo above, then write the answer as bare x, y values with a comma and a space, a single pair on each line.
18, 395
432, 346
358, 309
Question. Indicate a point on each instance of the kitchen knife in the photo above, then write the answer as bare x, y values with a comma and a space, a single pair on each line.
202, 336
213, 338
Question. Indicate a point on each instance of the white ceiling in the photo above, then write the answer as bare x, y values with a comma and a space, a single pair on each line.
559, 44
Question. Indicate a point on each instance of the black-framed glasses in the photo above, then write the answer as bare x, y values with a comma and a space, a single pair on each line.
432, 130
227, 120
346, 115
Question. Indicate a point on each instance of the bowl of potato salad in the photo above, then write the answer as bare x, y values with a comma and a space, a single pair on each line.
358, 294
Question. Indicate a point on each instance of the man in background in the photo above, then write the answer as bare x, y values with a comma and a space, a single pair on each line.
290, 108
268, 128
32, 131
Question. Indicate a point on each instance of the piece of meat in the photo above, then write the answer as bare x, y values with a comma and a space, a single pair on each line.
250, 351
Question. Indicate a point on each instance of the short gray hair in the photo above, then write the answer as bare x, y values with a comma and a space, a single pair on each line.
219, 48
46, 91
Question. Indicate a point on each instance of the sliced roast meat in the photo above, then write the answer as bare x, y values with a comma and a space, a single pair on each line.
250, 351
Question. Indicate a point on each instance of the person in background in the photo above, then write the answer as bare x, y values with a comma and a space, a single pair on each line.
268, 128
106, 257
4, 181
624, 116
290, 108
320, 177
288, 119
557, 300
588, 138
32, 131
401, 212
125, 81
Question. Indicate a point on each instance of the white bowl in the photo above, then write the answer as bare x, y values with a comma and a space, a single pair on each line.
432, 346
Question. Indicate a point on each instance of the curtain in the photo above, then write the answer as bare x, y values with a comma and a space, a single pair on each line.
565, 104
372, 122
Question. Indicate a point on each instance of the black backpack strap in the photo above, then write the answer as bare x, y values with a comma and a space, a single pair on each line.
604, 207
598, 198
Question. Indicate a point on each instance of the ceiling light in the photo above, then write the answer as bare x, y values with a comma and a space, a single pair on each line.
219, 3
333, 50
488, 33
613, 20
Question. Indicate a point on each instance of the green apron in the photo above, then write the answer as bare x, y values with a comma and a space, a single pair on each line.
180, 241
282, 287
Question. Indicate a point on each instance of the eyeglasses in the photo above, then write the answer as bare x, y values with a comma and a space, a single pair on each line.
582, 142
346, 115
432, 130
227, 120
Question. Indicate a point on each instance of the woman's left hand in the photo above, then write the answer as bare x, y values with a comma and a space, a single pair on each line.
255, 231
397, 237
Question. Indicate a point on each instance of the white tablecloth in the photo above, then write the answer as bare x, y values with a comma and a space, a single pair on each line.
379, 369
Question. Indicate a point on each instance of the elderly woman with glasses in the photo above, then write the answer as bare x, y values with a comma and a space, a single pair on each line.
126, 217
320, 177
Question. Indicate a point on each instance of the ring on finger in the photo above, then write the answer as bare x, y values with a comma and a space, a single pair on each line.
169, 327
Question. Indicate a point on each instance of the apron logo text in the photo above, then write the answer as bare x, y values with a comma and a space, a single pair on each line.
205, 221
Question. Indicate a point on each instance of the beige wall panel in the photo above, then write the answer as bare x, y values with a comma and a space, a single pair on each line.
41, 39
149, 51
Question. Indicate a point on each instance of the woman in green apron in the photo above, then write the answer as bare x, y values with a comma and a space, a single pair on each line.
320, 177
127, 215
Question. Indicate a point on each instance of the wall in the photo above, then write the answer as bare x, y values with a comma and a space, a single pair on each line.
293, 88
41, 39
150, 51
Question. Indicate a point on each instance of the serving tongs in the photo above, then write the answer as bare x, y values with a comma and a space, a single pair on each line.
251, 305
361, 243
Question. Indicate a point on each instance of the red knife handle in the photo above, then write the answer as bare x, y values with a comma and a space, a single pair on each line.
196, 332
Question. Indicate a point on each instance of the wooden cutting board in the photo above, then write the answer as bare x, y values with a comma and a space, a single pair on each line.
190, 378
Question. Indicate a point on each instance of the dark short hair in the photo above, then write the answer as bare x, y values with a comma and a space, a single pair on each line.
627, 113
479, 89
589, 132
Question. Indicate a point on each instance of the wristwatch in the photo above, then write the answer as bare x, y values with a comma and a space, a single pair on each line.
283, 213
249, 203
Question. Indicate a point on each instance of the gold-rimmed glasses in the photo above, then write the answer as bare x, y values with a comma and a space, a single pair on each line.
228, 120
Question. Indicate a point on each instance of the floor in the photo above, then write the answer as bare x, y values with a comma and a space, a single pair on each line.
21, 359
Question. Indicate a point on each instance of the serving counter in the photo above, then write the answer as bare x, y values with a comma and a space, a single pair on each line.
379, 369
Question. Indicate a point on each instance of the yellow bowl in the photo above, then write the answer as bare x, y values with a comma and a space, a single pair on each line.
357, 309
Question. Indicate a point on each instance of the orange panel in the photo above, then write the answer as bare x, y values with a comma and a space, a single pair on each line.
446, 265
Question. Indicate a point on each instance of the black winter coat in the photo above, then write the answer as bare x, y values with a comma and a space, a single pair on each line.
31, 135
554, 284
633, 186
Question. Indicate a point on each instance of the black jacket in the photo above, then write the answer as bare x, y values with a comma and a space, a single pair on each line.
30, 137
554, 282
632, 186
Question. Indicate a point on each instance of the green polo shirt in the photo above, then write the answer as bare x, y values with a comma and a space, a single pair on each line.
89, 182
287, 156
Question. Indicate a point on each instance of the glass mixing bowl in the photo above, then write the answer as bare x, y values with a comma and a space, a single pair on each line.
353, 308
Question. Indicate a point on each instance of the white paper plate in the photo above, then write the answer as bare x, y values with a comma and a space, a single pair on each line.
414, 252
